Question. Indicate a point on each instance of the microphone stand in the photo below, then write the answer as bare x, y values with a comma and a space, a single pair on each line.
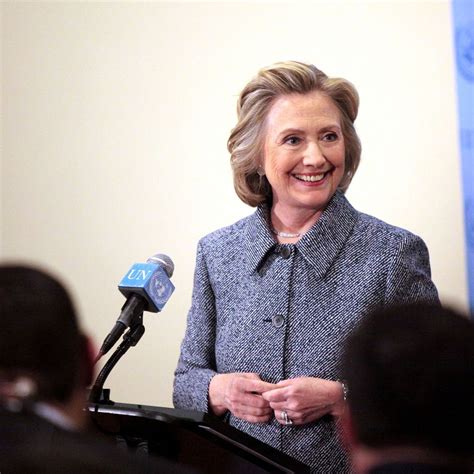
130, 338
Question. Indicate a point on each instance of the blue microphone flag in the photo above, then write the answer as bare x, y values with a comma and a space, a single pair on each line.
150, 281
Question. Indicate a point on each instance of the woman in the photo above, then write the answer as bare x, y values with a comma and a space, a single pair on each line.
276, 293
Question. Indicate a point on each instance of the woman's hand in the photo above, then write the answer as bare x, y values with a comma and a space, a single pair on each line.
305, 399
241, 394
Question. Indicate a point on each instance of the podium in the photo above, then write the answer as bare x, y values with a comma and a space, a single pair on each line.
190, 438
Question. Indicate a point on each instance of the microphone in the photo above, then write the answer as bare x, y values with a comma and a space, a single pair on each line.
147, 287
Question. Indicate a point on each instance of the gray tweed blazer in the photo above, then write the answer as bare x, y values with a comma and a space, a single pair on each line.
284, 311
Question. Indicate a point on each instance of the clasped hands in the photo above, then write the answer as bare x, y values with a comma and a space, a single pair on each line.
303, 399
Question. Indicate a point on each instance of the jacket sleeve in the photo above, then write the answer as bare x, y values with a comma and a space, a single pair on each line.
409, 274
196, 365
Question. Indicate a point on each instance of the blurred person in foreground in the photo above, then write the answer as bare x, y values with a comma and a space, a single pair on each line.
46, 365
410, 373
276, 293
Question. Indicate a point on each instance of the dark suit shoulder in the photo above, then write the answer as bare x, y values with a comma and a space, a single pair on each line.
31, 444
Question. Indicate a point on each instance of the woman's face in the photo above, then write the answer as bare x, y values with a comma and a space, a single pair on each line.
303, 151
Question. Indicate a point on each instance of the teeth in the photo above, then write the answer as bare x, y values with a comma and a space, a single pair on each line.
312, 178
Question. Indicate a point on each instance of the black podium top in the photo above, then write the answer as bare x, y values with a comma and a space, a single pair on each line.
190, 438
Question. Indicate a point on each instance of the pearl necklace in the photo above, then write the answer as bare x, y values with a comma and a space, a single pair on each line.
286, 235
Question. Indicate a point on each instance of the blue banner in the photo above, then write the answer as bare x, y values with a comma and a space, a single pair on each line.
463, 22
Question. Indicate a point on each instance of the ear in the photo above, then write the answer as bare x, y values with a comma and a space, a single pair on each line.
88, 352
347, 432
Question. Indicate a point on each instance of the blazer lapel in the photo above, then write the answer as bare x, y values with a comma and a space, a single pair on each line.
323, 242
258, 239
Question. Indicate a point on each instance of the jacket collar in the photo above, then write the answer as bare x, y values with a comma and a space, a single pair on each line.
259, 239
319, 246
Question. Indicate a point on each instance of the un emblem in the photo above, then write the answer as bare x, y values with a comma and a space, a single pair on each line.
162, 288
465, 51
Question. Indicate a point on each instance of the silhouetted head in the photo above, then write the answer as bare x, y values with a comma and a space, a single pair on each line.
39, 334
410, 373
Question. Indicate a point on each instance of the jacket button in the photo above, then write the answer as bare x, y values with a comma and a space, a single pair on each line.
278, 320
285, 252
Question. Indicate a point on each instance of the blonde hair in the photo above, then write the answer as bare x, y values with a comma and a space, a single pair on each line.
245, 143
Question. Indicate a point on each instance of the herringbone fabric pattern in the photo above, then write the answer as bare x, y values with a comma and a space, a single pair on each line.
348, 264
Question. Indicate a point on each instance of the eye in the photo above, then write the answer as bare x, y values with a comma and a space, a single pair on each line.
330, 137
292, 140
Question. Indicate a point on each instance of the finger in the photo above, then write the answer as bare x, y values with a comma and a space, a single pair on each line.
278, 405
246, 399
240, 410
303, 417
275, 395
283, 420
256, 419
257, 401
253, 385
292, 404
249, 375
254, 376
240, 393
279, 417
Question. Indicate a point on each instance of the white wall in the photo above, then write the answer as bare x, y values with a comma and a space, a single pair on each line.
115, 122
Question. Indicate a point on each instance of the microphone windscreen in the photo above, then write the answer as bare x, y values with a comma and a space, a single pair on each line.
164, 262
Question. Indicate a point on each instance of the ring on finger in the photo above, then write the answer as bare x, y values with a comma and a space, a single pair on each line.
286, 418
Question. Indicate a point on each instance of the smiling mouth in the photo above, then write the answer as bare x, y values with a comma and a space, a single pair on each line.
311, 178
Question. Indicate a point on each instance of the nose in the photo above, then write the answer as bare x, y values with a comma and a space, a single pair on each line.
313, 155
